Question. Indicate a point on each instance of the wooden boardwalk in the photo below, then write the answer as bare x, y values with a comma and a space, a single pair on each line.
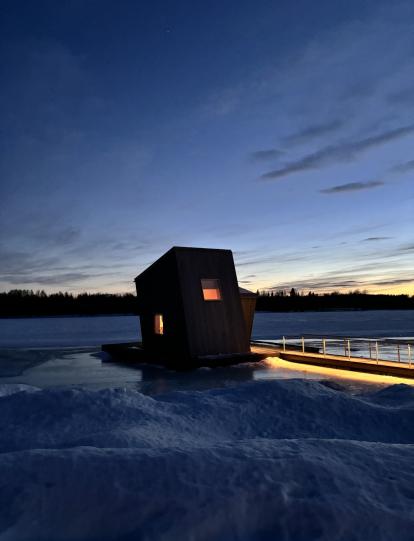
133, 352
357, 364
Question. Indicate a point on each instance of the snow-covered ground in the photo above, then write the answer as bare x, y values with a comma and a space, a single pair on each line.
270, 460
94, 450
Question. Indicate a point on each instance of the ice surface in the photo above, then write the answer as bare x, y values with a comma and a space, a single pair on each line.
266, 460
94, 331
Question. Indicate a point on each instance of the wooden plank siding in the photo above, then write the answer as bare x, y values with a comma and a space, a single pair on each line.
248, 302
158, 293
192, 326
213, 327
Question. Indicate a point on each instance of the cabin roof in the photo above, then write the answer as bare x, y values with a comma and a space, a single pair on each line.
178, 249
246, 292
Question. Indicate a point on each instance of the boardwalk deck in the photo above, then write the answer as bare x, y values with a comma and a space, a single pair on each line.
357, 364
132, 352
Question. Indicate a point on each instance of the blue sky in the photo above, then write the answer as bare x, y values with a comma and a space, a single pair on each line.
282, 130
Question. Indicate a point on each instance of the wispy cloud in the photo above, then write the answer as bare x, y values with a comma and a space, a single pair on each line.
406, 248
375, 239
404, 167
63, 279
339, 282
395, 282
264, 155
352, 187
318, 284
345, 152
314, 131
404, 96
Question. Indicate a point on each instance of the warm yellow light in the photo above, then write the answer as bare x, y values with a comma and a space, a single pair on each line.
211, 290
211, 294
275, 362
159, 324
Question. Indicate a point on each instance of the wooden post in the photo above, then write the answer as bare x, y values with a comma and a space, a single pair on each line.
324, 346
376, 350
303, 345
398, 353
409, 355
284, 343
349, 348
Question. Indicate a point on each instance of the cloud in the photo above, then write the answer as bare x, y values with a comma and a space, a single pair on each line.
403, 167
345, 152
19, 262
262, 155
403, 97
312, 132
406, 248
374, 239
222, 102
338, 282
272, 259
46, 232
395, 282
317, 284
352, 187
56, 279
21, 268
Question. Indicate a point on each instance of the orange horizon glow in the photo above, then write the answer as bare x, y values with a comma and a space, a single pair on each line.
369, 289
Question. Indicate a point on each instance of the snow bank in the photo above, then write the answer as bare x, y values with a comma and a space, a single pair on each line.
281, 459
11, 388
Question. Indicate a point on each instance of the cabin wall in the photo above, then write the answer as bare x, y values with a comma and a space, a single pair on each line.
158, 293
213, 327
248, 307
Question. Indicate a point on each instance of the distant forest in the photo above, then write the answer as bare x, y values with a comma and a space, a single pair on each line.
27, 303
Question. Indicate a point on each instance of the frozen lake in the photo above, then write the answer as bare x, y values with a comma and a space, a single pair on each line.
93, 331
47, 352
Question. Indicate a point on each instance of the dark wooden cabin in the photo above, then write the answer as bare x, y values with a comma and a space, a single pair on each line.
190, 305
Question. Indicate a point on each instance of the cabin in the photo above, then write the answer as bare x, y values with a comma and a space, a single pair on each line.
190, 305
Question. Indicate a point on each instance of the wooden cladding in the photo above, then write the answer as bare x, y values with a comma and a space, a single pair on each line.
196, 289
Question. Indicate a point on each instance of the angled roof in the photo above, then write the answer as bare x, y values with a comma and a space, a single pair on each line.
178, 249
246, 292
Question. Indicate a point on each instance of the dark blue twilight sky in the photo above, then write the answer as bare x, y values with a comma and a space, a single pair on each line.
283, 130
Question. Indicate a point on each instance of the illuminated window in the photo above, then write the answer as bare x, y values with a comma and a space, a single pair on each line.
211, 290
158, 324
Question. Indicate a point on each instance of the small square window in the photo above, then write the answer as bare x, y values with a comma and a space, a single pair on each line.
211, 289
158, 324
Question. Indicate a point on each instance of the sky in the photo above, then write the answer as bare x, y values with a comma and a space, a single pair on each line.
283, 131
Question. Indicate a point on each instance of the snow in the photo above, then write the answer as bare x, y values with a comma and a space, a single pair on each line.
266, 460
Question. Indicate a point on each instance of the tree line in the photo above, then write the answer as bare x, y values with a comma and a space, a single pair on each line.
295, 301
29, 303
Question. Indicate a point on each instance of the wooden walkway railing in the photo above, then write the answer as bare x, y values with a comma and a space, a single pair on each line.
381, 356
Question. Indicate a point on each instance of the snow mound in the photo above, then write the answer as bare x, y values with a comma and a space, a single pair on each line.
7, 389
281, 459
